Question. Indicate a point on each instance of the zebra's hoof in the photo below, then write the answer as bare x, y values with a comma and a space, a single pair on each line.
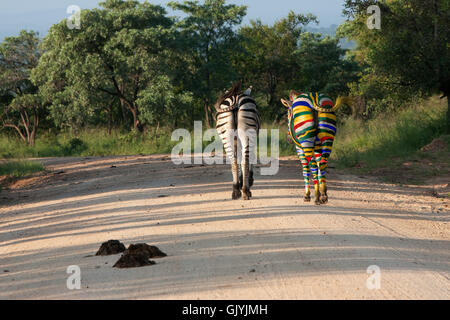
246, 194
317, 200
324, 199
236, 195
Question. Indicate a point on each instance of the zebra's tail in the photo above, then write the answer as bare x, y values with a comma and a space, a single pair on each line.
340, 101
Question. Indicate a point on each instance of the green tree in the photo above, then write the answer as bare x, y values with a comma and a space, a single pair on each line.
21, 106
119, 52
208, 31
411, 51
269, 61
324, 66
23, 114
163, 104
284, 56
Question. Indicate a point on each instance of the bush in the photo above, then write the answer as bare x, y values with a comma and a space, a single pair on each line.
75, 146
393, 134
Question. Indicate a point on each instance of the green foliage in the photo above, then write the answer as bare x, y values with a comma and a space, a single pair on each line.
74, 147
21, 108
324, 66
89, 142
208, 37
19, 169
131, 66
398, 133
97, 142
282, 57
268, 60
410, 55
131, 74
119, 53
18, 56
285, 148
161, 103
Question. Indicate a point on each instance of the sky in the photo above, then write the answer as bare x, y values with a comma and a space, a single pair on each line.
16, 15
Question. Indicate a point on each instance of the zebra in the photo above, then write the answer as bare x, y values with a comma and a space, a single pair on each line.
312, 127
238, 123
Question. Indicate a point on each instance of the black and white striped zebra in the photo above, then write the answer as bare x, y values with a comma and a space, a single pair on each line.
238, 124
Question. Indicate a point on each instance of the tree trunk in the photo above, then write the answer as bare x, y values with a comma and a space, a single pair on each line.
135, 119
156, 132
25, 124
32, 139
110, 111
208, 114
124, 112
6, 125
135, 112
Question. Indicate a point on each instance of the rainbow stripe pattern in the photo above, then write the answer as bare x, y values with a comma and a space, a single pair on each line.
312, 126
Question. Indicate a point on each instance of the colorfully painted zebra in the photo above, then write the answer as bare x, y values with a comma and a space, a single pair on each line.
238, 124
312, 127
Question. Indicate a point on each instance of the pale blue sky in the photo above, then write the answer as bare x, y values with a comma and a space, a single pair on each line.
40, 15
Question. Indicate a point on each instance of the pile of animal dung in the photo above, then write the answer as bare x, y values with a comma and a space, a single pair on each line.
139, 255
110, 247
135, 260
150, 251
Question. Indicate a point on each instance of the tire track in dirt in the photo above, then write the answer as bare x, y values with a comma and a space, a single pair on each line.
272, 247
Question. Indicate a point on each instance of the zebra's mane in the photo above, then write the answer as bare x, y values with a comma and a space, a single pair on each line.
235, 90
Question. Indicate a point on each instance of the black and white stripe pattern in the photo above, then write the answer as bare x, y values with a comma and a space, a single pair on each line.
238, 124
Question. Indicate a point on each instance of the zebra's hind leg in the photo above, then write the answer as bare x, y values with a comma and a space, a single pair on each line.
306, 174
317, 194
247, 139
251, 180
315, 172
323, 183
236, 184
323, 193
237, 194
246, 191
246, 187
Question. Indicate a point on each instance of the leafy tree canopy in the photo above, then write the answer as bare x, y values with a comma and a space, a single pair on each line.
210, 40
411, 51
119, 52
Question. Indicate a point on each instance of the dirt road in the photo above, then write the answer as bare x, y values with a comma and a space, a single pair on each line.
272, 247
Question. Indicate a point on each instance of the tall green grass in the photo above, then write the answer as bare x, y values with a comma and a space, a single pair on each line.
372, 142
400, 134
90, 142
97, 142
285, 148
19, 168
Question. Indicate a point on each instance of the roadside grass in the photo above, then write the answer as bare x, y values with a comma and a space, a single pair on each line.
386, 142
19, 168
89, 142
416, 169
97, 142
389, 146
13, 170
